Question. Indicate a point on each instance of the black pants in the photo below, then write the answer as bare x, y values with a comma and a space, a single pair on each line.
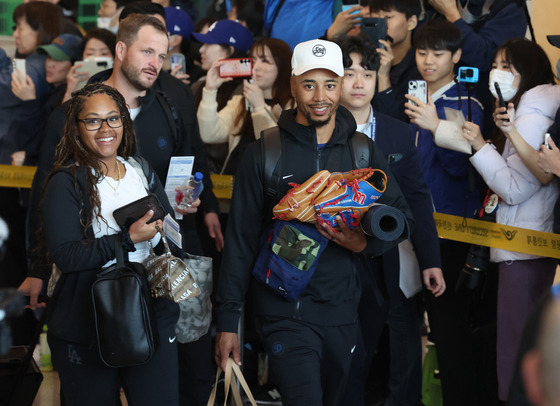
197, 371
86, 381
308, 363
450, 318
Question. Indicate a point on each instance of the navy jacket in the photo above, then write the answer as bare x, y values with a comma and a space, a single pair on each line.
396, 139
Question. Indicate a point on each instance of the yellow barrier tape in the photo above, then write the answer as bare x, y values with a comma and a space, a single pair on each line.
223, 186
498, 235
449, 227
17, 176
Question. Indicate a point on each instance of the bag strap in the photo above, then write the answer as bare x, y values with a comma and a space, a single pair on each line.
119, 253
164, 239
231, 366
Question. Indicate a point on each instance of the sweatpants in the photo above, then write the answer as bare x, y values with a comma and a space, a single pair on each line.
86, 381
308, 363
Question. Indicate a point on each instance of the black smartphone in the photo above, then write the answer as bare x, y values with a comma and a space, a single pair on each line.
501, 101
128, 214
375, 28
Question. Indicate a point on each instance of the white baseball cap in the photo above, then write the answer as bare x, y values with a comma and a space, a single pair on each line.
317, 54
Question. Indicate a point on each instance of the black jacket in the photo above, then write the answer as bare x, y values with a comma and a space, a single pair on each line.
64, 209
332, 295
396, 138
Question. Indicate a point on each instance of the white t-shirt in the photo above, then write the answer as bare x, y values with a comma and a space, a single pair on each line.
129, 189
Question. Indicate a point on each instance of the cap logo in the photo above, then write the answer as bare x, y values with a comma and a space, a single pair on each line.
232, 40
212, 26
319, 50
177, 28
58, 41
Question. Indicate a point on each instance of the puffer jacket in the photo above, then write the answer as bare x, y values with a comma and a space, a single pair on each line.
526, 203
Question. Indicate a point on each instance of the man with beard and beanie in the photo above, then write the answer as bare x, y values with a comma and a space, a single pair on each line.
309, 341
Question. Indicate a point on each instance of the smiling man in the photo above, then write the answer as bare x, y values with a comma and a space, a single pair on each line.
309, 341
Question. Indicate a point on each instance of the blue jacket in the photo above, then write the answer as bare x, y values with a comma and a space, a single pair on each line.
446, 171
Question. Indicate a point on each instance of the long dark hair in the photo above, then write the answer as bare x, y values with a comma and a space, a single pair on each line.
533, 66
71, 151
281, 93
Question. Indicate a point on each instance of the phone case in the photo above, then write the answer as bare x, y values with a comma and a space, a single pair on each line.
128, 214
419, 89
375, 29
19, 64
92, 67
235, 68
178, 59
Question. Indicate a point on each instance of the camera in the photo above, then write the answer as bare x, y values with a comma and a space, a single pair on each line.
478, 259
468, 75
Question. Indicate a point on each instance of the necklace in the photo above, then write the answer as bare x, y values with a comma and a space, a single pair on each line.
115, 191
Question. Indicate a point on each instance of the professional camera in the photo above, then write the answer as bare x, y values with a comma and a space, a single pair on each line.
474, 271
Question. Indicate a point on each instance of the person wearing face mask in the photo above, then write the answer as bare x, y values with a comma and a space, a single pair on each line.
524, 74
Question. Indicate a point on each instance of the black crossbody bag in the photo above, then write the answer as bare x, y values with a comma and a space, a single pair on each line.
124, 318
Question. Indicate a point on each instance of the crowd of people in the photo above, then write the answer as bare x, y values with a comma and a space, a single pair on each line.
318, 97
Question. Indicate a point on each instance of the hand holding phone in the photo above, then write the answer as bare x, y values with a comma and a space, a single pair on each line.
375, 29
236, 67
176, 60
130, 213
546, 138
501, 101
418, 89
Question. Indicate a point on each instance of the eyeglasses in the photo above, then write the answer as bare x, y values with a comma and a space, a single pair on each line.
95, 123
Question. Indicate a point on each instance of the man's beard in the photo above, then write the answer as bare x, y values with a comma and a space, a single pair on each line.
317, 123
133, 76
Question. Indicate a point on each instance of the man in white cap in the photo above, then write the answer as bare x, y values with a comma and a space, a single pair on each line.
309, 340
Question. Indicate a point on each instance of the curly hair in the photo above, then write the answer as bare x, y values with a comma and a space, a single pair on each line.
71, 151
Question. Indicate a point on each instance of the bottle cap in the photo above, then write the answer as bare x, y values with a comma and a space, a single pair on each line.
198, 176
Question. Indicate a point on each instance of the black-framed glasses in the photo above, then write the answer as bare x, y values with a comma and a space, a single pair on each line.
95, 123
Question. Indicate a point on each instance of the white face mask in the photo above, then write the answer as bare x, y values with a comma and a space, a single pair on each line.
505, 80
105, 22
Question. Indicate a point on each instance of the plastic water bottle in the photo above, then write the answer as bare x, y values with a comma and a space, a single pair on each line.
190, 190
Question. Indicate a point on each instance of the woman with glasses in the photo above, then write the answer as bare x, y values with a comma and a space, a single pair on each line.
95, 172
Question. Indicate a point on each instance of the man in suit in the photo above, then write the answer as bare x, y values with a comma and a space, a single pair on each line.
397, 143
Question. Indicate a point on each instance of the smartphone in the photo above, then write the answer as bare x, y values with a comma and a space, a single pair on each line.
468, 74
546, 137
19, 64
128, 214
176, 60
235, 68
501, 101
375, 28
419, 89
92, 66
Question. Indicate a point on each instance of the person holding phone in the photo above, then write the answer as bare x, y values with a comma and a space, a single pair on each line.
509, 167
223, 39
180, 28
245, 116
96, 171
438, 49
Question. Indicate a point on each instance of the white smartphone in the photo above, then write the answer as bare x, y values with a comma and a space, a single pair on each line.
19, 64
546, 138
418, 89
92, 66
176, 60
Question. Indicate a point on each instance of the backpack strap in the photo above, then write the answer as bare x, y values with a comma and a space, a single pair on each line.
360, 150
271, 151
171, 115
